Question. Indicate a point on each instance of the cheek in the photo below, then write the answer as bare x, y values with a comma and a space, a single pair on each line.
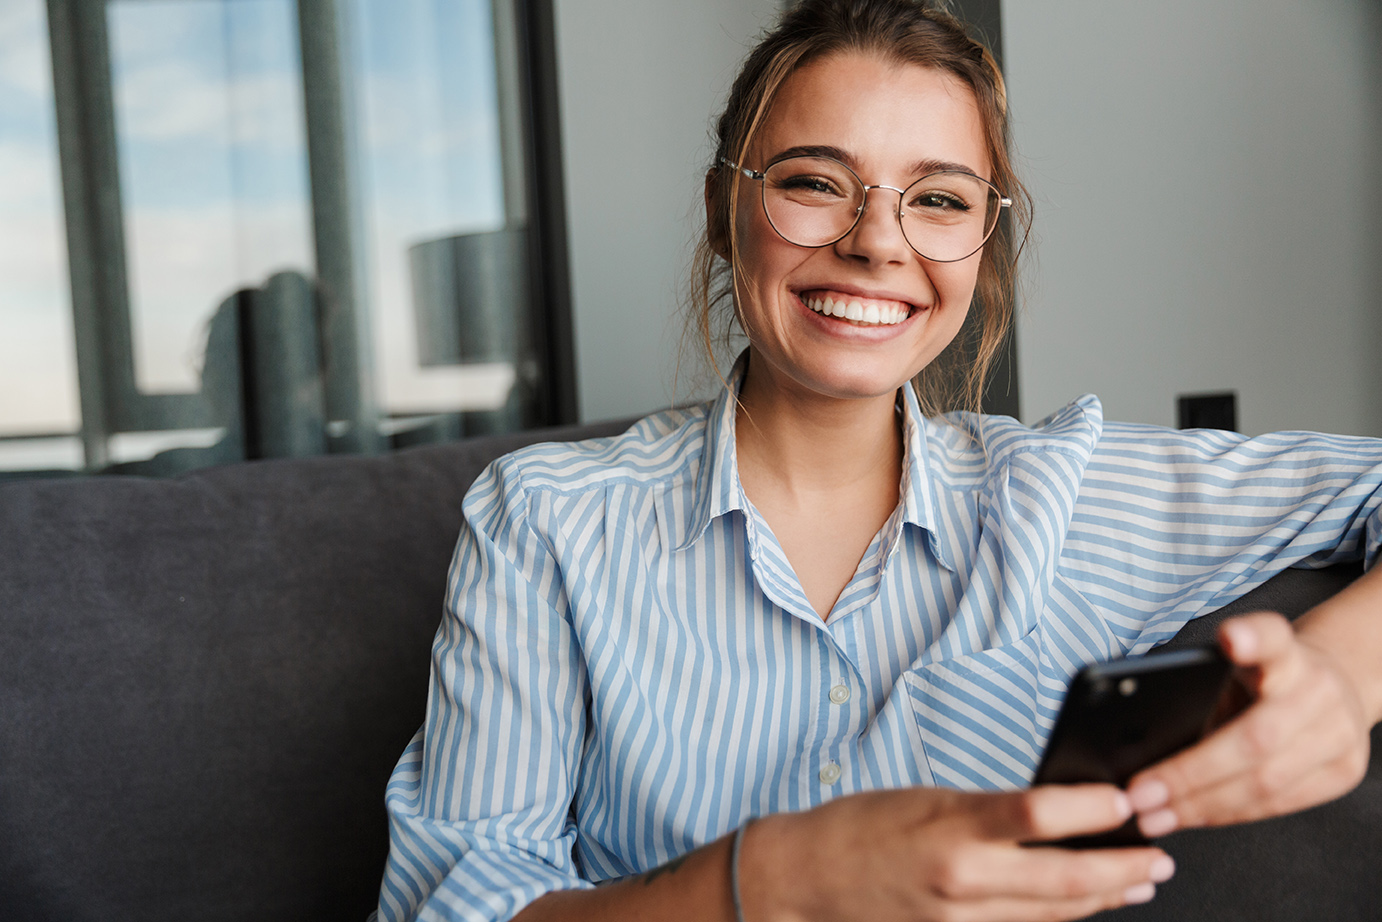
763, 258
754, 234
955, 282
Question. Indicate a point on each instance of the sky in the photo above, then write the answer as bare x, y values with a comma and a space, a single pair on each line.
38, 390
214, 184
208, 120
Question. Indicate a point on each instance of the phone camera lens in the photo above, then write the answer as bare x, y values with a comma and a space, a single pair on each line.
1127, 687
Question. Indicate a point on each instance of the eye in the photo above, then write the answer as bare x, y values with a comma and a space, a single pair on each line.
809, 184
937, 200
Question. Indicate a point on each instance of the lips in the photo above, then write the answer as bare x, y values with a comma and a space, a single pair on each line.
856, 308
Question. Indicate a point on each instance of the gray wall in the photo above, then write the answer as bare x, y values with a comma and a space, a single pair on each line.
640, 81
1208, 178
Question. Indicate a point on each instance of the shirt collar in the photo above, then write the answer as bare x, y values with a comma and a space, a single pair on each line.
918, 489
718, 490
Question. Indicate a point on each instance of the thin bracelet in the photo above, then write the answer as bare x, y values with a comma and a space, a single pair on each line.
734, 850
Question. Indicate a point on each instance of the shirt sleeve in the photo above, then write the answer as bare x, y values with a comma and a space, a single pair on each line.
479, 804
1169, 524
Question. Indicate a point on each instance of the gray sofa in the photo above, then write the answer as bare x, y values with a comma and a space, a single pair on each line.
206, 680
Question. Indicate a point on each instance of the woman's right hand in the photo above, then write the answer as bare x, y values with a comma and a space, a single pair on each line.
927, 854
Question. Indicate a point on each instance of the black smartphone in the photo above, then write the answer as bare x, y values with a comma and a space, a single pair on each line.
1122, 716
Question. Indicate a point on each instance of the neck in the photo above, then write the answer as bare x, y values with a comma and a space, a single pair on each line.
809, 444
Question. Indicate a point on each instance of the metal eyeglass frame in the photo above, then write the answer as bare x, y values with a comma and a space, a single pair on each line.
1003, 202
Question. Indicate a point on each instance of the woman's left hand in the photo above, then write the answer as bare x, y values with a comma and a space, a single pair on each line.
1302, 740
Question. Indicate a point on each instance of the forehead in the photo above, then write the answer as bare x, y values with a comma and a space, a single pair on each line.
887, 116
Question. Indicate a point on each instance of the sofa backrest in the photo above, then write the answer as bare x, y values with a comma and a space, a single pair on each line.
205, 681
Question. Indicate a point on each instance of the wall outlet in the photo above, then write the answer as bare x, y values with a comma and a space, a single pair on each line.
1208, 411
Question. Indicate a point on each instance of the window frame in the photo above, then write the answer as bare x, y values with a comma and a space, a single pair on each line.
110, 400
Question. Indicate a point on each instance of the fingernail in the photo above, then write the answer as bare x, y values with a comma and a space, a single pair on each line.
1162, 870
1149, 795
1157, 823
1142, 893
1240, 636
1123, 803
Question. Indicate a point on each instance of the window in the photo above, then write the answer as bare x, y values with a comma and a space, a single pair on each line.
212, 167
432, 149
39, 411
296, 226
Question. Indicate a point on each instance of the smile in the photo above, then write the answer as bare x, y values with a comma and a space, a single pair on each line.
865, 311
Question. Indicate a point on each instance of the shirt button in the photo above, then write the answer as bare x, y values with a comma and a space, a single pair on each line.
830, 773
839, 694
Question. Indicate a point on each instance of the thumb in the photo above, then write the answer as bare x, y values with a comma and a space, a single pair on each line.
1263, 644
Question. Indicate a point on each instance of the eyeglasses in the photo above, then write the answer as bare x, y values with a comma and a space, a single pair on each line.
815, 201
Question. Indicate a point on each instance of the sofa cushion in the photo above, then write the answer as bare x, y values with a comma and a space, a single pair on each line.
1319, 864
206, 681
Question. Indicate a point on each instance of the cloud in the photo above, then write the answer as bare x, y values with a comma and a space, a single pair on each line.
24, 64
408, 113
215, 73
175, 101
32, 241
38, 381
150, 28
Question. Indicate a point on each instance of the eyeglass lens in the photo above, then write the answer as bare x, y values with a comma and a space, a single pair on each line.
814, 201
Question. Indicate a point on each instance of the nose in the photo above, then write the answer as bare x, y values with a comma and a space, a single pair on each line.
877, 233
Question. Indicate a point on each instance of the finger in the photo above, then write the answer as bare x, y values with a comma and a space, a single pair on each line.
1003, 909
1318, 768
1270, 660
1053, 811
1239, 804
1248, 760
988, 870
992, 881
1259, 734
1263, 642
1251, 794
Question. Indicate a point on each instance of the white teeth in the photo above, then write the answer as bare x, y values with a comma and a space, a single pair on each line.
886, 315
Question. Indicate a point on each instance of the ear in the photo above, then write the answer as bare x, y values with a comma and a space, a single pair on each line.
716, 231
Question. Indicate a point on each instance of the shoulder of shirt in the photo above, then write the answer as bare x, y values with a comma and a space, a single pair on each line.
666, 446
1151, 443
966, 438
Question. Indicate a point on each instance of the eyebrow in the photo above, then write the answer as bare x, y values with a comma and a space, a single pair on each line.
920, 168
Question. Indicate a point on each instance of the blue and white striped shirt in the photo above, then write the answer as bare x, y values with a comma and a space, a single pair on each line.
628, 667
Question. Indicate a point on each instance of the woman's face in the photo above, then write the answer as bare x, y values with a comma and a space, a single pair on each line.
892, 123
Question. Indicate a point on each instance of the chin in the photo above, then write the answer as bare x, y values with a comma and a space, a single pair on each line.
854, 383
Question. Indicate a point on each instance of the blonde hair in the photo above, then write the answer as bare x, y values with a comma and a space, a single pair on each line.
907, 32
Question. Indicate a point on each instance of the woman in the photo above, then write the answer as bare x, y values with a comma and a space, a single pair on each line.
815, 605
